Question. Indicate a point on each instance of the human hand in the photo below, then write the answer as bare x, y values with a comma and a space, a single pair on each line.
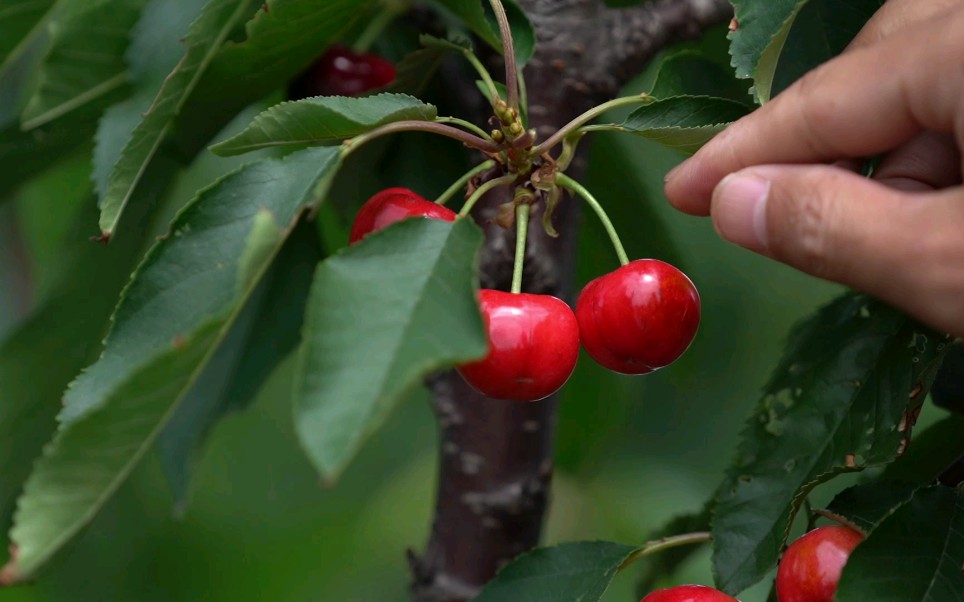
781, 181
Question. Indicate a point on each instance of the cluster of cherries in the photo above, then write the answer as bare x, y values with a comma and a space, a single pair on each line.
634, 320
638, 318
809, 570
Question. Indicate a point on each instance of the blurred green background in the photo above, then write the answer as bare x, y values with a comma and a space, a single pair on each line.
631, 453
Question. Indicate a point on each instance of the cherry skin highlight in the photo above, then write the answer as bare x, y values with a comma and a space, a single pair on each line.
343, 72
638, 318
810, 568
392, 205
688, 593
533, 346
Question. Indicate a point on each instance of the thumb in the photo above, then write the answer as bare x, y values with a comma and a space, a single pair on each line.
903, 247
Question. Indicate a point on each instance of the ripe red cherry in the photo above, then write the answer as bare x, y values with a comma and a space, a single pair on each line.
688, 593
392, 205
811, 566
343, 72
533, 346
638, 318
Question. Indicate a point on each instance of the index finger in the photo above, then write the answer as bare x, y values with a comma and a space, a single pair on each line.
864, 102
896, 15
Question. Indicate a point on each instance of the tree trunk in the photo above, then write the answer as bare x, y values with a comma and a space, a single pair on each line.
496, 456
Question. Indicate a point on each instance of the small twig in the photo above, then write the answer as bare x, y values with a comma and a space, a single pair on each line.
470, 140
508, 47
468, 125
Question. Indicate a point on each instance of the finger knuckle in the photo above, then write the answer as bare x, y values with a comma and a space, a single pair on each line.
819, 112
808, 235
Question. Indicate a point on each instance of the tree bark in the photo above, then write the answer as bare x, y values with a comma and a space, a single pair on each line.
496, 456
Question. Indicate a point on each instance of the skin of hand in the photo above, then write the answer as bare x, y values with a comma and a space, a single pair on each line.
782, 180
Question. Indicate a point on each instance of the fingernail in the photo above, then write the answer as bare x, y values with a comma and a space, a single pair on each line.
739, 210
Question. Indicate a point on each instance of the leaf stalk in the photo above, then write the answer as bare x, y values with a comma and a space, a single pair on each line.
588, 116
665, 543
466, 138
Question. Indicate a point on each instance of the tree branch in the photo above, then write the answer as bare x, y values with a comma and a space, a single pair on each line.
495, 462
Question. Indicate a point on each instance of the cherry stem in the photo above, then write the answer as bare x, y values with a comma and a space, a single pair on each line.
508, 48
586, 117
481, 190
484, 74
431, 127
522, 211
570, 184
461, 182
467, 125
665, 543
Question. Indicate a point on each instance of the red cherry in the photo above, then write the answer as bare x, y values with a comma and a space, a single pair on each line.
688, 593
392, 205
638, 318
811, 566
343, 72
533, 346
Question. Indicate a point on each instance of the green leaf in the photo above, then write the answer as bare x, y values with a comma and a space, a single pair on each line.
202, 268
265, 332
864, 506
948, 390
570, 572
691, 73
264, 61
777, 41
323, 120
821, 30
85, 62
931, 451
755, 46
681, 122
383, 314
836, 402
914, 555
154, 51
60, 337
87, 461
478, 16
206, 35
180, 303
